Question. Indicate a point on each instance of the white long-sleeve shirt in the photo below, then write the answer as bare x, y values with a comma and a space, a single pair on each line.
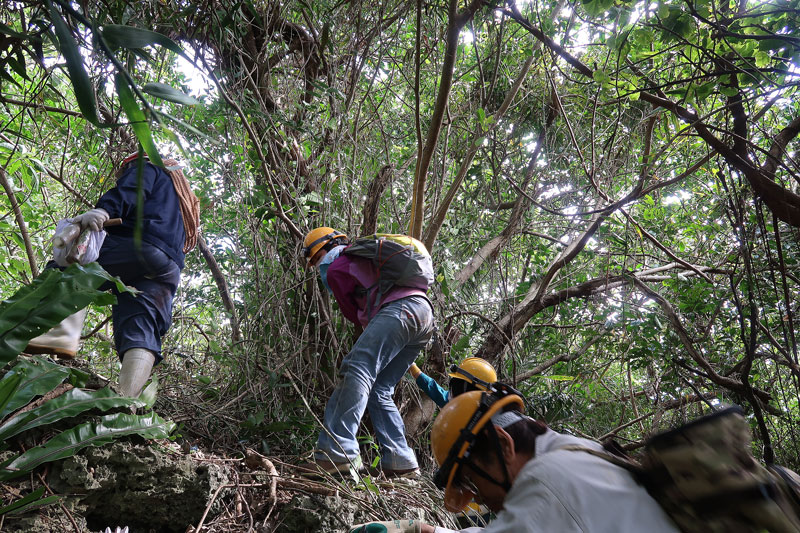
570, 491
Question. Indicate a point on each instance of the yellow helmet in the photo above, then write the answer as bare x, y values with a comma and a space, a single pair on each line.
317, 238
475, 371
453, 434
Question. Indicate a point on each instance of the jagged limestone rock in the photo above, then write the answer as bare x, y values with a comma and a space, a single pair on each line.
44, 522
319, 514
138, 485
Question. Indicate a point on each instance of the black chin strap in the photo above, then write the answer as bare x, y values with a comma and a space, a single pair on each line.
455, 369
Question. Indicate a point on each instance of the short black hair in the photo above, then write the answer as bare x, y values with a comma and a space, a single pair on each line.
523, 432
459, 386
331, 244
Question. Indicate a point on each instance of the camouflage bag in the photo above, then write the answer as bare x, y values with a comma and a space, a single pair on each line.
706, 478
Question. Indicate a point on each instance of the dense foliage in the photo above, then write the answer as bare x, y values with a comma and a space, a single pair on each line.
609, 190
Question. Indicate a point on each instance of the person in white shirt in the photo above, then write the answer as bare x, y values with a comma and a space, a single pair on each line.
534, 478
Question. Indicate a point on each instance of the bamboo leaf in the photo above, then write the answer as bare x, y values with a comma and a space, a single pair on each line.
138, 120
99, 433
18, 67
84, 91
53, 296
69, 404
121, 36
190, 128
172, 136
165, 92
4, 29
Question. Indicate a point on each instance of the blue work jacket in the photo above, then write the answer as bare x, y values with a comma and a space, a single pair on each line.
162, 222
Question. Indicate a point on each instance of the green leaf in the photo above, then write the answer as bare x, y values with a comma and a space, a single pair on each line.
8, 386
6, 76
8, 31
728, 90
172, 136
762, 59
772, 44
596, 7
29, 502
460, 345
601, 77
99, 433
557, 377
18, 67
69, 404
706, 89
165, 92
190, 128
481, 117
38, 377
84, 91
147, 398
643, 36
121, 36
53, 296
140, 124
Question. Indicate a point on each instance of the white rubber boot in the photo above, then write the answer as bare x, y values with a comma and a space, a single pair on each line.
136, 366
63, 340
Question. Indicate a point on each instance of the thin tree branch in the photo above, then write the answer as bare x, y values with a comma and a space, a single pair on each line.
457, 21
710, 372
23, 228
222, 287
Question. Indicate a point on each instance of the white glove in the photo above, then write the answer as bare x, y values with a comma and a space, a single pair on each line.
92, 219
394, 526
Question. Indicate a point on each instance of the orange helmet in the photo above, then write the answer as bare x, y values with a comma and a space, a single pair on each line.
453, 434
317, 238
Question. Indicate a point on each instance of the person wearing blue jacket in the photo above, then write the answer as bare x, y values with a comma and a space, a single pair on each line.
160, 220
473, 373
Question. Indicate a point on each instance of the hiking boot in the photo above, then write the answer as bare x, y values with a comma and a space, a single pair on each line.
391, 473
320, 468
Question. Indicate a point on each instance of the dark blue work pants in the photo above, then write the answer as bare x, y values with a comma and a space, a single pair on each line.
140, 321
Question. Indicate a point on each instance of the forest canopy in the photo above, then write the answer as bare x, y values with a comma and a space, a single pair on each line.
609, 190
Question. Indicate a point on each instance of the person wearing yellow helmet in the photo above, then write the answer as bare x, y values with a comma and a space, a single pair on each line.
534, 478
397, 323
473, 373
319, 241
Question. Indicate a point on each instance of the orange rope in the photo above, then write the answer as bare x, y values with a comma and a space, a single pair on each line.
190, 205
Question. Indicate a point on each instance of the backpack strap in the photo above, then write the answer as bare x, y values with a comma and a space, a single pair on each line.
628, 464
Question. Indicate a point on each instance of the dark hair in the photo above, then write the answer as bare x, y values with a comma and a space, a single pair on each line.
523, 432
331, 244
459, 386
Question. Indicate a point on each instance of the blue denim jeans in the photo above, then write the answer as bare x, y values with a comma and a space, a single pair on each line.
379, 358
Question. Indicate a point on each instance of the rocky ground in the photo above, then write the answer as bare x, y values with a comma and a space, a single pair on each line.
160, 487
